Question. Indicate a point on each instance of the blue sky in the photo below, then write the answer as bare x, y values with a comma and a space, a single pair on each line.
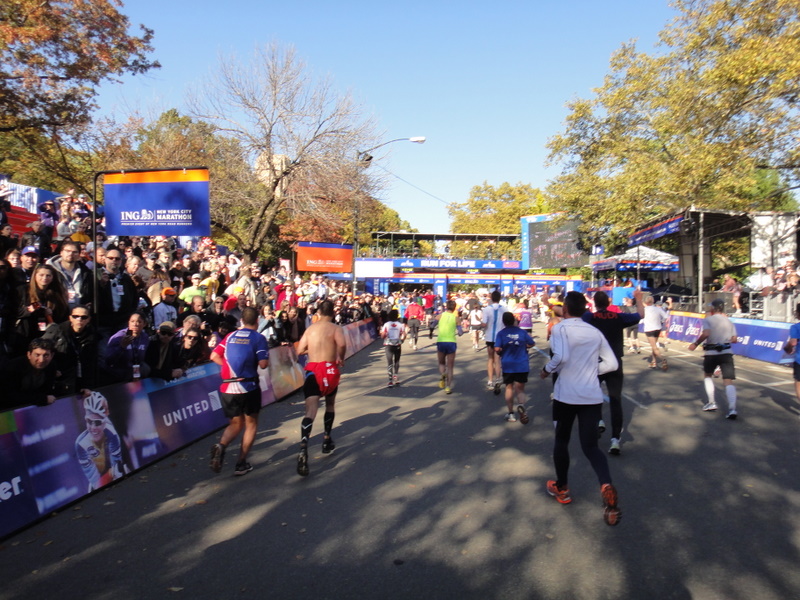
485, 82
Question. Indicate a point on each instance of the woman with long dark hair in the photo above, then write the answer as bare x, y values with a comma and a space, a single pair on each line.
42, 301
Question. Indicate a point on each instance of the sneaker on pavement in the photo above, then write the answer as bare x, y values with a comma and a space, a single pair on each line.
448, 390
396, 380
443, 381
490, 386
611, 512
327, 445
242, 468
614, 449
302, 463
523, 414
664, 365
496, 388
710, 406
511, 418
731, 415
601, 426
217, 457
562, 496
390, 384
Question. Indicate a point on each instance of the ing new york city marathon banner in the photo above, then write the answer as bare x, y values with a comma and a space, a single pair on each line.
170, 202
51, 456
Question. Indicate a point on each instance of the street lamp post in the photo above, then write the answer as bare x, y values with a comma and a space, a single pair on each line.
365, 158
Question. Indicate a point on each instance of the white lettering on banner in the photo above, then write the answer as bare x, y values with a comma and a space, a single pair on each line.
693, 330
744, 340
49, 464
149, 450
676, 328
29, 439
186, 412
768, 344
9, 489
60, 496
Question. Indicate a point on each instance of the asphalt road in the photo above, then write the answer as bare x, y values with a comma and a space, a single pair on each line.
435, 496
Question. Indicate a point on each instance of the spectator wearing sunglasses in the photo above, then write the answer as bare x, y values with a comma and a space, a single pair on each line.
162, 353
75, 343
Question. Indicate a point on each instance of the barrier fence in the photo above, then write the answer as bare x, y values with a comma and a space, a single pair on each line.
51, 456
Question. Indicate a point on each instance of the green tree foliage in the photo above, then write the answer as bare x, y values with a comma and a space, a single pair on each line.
494, 210
691, 125
54, 54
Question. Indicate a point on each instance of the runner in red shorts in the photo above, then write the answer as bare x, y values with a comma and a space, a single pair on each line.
325, 346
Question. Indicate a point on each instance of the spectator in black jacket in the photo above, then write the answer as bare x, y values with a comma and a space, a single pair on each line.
30, 379
75, 344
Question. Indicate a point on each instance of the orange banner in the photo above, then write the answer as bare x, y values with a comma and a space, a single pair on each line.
329, 259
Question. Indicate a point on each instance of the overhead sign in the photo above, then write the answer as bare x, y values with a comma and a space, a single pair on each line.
325, 258
455, 263
170, 202
656, 231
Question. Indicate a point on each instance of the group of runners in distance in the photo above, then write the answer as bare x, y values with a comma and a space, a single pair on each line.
586, 349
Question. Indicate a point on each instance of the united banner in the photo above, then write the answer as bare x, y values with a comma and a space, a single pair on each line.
170, 202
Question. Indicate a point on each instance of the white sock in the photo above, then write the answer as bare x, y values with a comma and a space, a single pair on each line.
709, 384
730, 392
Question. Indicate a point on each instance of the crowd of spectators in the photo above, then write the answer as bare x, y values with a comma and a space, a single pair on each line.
75, 315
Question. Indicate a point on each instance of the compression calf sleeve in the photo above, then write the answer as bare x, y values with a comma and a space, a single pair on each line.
328, 421
730, 392
305, 430
709, 385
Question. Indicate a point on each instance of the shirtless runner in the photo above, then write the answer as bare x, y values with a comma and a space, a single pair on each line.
325, 345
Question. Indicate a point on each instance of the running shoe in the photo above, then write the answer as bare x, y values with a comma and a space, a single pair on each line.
718, 372
611, 512
523, 414
390, 384
710, 406
489, 386
396, 380
302, 463
217, 457
448, 390
443, 381
496, 388
242, 468
653, 365
631, 350
614, 449
601, 426
664, 365
511, 418
327, 445
561, 495
731, 415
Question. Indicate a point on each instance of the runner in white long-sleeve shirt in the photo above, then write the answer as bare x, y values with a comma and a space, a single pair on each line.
580, 354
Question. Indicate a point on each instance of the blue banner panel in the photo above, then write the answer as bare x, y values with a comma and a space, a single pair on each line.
656, 231
181, 418
762, 340
17, 500
170, 202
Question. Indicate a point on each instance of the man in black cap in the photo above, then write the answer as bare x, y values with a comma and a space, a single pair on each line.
718, 334
28, 261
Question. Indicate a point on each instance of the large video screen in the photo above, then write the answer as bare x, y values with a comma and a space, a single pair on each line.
549, 246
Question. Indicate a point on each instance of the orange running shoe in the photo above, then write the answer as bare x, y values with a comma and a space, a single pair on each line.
611, 512
561, 495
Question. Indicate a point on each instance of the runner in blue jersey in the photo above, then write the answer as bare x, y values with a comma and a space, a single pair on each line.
240, 355
512, 345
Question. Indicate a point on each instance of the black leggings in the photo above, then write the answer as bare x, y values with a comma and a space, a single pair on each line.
392, 359
588, 415
614, 384
413, 330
